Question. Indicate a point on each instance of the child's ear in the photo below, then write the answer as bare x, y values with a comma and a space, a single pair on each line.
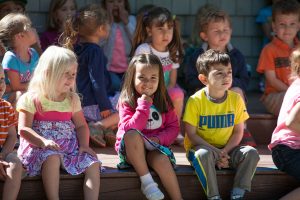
203, 79
148, 31
273, 26
203, 36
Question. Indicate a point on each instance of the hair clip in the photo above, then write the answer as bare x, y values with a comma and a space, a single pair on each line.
146, 15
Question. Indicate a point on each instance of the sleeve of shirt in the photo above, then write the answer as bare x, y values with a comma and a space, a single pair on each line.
134, 119
190, 114
241, 112
96, 65
142, 49
240, 78
10, 62
76, 103
130, 27
26, 103
266, 60
12, 117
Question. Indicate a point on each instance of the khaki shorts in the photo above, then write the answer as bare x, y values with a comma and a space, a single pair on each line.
273, 101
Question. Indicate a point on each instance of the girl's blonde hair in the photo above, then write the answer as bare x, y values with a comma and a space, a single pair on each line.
295, 63
84, 23
11, 25
52, 65
158, 16
161, 99
54, 6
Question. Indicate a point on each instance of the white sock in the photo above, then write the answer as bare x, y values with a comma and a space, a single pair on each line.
146, 179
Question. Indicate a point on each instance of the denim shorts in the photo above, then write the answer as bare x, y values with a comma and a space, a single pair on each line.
287, 160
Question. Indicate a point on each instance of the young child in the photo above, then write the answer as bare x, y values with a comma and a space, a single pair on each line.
10, 166
214, 121
118, 45
285, 144
59, 11
19, 62
148, 125
156, 33
274, 59
93, 82
53, 132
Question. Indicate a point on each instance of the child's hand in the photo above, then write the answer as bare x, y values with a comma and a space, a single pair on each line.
105, 113
123, 14
50, 144
146, 98
87, 150
223, 161
3, 166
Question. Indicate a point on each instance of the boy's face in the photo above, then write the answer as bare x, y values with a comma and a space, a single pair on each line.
2, 83
219, 78
286, 27
217, 35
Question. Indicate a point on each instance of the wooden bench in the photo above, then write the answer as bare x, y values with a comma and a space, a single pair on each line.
268, 182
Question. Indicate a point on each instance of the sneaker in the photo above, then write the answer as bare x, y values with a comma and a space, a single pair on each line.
97, 136
110, 137
236, 197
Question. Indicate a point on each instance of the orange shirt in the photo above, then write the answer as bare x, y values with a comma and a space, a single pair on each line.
8, 118
275, 56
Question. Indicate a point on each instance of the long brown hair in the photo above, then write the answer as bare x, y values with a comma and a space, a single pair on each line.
83, 23
161, 99
158, 16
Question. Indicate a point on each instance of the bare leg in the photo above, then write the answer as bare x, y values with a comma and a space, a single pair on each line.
108, 122
91, 184
293, 195
135, 152
162, 166
50, 176
13, 180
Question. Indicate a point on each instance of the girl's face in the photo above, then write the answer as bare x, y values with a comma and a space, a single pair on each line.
27, 38
114, 6
217, 35
161, 36
62, 13
66, 83
146, 79
103, 31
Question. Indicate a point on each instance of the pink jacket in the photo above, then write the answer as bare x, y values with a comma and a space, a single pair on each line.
149, 121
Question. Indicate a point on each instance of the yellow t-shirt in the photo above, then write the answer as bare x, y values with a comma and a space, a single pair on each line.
214, 121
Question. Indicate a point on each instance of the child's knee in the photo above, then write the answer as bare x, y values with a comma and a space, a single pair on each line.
204, 154
53, 160
132, 136
252, 154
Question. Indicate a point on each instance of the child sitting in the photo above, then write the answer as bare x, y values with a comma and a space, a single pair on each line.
214, 121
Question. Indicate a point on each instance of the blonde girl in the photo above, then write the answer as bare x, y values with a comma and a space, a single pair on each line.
59, 11
53, 132
19, 62
88, 27
156, 33
148, 126
285, 142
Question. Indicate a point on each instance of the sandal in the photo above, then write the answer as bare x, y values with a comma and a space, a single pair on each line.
152, 192
97, 136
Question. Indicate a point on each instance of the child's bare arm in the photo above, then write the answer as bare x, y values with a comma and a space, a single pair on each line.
26, 131
235, 138
10, 141
274, 81
15, 83
293, 119
82, 131
173, 78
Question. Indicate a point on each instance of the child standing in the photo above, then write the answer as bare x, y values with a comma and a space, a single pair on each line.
118, 45
285, 145
10, 166
52, 128
214, 121
19, 62
156, 33
274, 59
148, 125
93, 81
59, 11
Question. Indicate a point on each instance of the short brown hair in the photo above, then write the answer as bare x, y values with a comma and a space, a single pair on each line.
212, 15
210, 58
285, 7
